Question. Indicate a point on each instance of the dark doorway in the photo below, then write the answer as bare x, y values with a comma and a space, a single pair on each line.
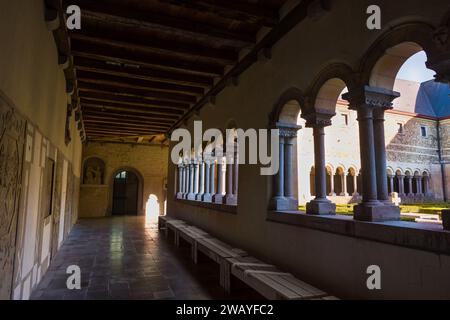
125, 194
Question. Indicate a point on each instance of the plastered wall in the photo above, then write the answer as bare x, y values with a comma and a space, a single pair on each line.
32, 89
333, 262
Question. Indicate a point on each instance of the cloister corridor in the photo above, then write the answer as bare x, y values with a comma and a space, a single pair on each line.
128, 258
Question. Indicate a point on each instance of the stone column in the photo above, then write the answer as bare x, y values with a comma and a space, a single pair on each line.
419, 185
195, 180
218, 197
355, 184
401, 185
191, 194
236, 172
207, 197
201, 187
186, 180
320, 205
344, 185
380, 152
230, 196
391, 183
426, 185
332, 193
367, 100
284, 198
410, 185
180, 181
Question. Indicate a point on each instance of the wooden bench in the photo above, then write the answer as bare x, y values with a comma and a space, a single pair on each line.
174, 225
219, 252
191, 235
272, 283
265, 278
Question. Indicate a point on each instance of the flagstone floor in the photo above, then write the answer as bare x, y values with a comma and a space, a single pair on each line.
127, 258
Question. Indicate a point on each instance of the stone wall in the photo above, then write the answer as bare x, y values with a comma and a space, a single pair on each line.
335, 262
37, 211
149, 162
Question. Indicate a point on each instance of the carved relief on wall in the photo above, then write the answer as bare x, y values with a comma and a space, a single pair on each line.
12, 133
93, 171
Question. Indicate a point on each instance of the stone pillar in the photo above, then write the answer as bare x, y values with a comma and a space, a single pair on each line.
207, 197
186, 180
218, 197
344, 185
212, 178
419, 185
426, 185
236, 172
284, 198
230, 196
180, 181
320, 205
391, 183
195, 180
192, 173
380, 154
332, 193
401, 185
410, 185
366, 101
201, 187
355, 184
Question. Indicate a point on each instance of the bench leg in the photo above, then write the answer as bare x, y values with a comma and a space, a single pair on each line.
176, 237
195, 252
225, 276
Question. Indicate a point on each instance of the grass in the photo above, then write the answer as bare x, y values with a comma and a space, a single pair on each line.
426, 208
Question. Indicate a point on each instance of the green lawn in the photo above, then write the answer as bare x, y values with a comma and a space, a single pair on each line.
428, 208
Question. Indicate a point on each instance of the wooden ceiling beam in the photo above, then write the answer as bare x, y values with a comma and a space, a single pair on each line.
121, 13
128, 120
132, 101
138, 93
242, 11
128, 110
125, 55
121, 129
137, 72
122, 124
130, 39
128, 116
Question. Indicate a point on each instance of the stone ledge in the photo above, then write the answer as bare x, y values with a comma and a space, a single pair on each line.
407, 234
208, 205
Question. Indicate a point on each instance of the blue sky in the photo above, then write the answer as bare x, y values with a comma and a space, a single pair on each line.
414, 69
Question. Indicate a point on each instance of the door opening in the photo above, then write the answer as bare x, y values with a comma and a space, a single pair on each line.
125, 194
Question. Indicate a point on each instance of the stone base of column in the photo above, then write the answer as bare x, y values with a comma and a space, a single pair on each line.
230, 199
191, 196
179, 195
217, 198
207, 197
321, 207
199, 197
344, 194
284, 204
376, 212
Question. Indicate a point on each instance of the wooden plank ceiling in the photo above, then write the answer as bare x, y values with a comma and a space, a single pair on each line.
141, 65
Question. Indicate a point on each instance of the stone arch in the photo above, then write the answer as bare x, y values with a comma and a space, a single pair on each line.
329, 84
390, 51
289, 105
140, 198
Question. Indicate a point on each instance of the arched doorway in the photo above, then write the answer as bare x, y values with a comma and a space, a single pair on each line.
125, 193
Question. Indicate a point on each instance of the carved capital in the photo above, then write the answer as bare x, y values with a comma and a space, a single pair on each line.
371, 97
287, 130
318, 119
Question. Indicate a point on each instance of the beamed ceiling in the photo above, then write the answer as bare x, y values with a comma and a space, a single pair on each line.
142, 67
